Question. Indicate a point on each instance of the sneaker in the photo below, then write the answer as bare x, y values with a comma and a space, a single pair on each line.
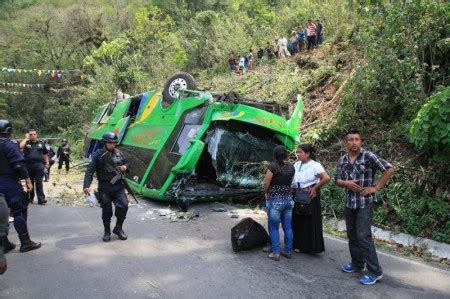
348, 268
370, 279
273, 256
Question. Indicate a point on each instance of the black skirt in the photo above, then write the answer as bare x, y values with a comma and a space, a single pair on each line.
308, 234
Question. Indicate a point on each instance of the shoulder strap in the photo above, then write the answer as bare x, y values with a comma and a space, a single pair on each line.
300, 167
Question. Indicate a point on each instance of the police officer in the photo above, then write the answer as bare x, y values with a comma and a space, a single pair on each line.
63, 154
110, 164
36, 158
12, 170
51, 159
4, 228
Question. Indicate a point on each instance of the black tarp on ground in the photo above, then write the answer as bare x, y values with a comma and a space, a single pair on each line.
248, 234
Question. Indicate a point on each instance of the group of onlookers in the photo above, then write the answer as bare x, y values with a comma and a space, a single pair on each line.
241, 63
304, 38
293, 199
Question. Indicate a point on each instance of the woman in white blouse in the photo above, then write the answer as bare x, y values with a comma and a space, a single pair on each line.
309, 177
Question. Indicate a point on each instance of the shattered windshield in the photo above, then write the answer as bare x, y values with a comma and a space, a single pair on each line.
237, 157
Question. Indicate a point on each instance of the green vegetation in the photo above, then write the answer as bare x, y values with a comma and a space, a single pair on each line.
383, 68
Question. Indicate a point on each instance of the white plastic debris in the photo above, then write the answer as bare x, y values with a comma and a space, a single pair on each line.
91, 199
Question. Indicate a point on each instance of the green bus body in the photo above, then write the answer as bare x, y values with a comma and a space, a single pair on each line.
167, 145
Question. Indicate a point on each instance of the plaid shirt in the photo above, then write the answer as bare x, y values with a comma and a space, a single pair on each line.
363, 171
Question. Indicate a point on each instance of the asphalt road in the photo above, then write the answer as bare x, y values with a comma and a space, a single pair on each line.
186, 260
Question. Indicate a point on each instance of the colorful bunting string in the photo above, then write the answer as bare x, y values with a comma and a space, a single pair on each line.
26, 85
51, 73
10, 92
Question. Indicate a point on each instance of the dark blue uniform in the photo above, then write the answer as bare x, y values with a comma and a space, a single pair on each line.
10, 186
34, 152
104, 164
63, 155
51, 154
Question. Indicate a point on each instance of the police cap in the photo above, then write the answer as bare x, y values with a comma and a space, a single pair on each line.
5, 126
110, 137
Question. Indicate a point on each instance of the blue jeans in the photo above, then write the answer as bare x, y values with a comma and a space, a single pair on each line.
280, 210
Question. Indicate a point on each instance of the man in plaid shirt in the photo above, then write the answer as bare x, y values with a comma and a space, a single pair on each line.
356, 173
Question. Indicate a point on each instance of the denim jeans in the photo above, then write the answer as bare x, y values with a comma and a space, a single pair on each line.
360, 242
280, 210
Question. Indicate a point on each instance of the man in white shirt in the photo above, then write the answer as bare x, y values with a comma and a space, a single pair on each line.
282, 46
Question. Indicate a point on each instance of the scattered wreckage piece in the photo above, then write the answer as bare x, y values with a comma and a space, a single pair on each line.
189, 145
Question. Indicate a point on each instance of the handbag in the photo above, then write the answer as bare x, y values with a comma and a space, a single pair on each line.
303, 205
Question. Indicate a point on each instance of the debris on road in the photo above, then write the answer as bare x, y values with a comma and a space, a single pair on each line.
248, 234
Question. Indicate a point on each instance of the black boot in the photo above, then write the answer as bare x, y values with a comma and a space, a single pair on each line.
120, 233
120, 214
107, 234
27, 244
118, 229
7, 246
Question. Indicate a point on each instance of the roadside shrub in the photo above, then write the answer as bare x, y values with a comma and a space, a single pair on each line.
407, 208
431, 127
332, 198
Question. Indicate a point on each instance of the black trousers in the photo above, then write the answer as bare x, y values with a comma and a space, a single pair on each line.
311, 42
360, 242
63, 159
36, 172
113, 194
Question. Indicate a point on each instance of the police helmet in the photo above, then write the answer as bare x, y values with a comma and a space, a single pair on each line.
64, 140
5, 126
110, 137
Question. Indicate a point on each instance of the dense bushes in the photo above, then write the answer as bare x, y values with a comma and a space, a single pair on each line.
402, 65
402, 207
390, 99
406, 207
431, 127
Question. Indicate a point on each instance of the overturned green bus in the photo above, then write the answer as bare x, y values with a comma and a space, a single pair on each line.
188, 145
